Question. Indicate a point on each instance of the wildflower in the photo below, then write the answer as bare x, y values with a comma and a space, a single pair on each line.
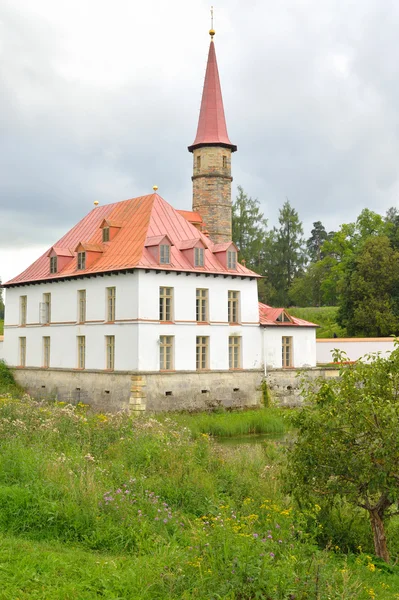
89, 458
272, 555
256, 535
371, 567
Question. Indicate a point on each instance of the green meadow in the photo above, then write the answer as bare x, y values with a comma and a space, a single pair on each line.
121, 507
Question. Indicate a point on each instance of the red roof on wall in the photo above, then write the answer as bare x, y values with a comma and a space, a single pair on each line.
269, 315
212, 128
140, 218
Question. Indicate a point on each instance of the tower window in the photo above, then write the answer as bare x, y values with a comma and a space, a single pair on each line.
198, 162
224, 162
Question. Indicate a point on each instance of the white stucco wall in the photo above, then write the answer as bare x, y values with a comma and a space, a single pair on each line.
303, 346
1, 348
136, 328
355, 348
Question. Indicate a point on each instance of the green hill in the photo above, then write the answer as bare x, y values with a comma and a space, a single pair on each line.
325, 316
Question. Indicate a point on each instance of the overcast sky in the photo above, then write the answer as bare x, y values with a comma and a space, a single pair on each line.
99, 101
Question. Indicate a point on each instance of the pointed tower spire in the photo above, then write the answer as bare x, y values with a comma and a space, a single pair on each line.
212, 151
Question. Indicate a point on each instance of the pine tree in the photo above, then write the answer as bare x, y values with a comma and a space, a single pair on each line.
249, 229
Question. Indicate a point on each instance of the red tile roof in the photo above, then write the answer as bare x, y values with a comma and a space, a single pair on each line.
212, 128
269, 315
191, 216
140, 219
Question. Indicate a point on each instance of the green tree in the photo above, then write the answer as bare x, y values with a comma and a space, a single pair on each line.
347, 443
249, 229
314, 244
370, 295
285, 254
1, 303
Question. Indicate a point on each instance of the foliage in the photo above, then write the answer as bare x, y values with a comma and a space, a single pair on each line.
356, 417
314, 244
120, 507
325, 316
1, 327
249, 229
370, 303
7, 381
285, 253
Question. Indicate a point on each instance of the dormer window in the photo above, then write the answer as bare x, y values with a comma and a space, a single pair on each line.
231, 259
81, 261
164, 254
198, 257
105, 234
53, 264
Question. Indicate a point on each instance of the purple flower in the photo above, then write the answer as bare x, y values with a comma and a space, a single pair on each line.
165, 520
270, 536
277, 526
271, 554
255, 535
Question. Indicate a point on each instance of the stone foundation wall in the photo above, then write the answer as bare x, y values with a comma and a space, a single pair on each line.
155, 392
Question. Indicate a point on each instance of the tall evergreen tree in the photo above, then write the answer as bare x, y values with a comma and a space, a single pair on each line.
249, 229
285, 253
314, 244
1, 303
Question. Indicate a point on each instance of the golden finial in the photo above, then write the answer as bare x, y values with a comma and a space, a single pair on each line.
211, 31
155, 187
95, 202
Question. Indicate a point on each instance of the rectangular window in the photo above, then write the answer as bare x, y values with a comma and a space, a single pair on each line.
202, 306
287, 351
81, 306
198, 162
111, 297
45, 316
234, 352
106, 234
202, 352
224, 162
46, 351
164, 254
231, 259
198, 257
23, 303
110, 349
234, 306
53, 264
22, 351
165, 304
81, 351
81, 260
166, 351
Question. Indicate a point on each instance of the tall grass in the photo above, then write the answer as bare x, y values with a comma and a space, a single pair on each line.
118, 507
231, 424
1, 327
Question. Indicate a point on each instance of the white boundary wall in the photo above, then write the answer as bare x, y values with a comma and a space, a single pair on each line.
1, 347
354, 348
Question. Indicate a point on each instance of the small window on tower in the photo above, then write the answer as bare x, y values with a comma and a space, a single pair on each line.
198, 162
106, 234
224, 162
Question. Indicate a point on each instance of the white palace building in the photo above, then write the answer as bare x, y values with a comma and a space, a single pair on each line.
141, 306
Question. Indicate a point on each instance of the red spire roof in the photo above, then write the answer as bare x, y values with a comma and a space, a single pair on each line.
212, 130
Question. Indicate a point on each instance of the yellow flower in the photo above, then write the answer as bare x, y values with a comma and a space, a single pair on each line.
371, 567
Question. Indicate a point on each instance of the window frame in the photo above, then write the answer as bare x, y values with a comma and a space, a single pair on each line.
110, 352
106, 235
233, 306
164, 249
165, 308
224, 162
166, 352
111, 304
81, 262
287, 345
81, 343
199, 257
53, 264
202, 352
82, 305
235, 352
47, 308
231, 260
23, 310
22, 351
202, 305
46, 342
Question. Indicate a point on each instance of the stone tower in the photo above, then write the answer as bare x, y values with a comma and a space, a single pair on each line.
212, 151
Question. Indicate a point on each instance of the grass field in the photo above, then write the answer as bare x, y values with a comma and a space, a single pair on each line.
117, 507
1, 327
325, 316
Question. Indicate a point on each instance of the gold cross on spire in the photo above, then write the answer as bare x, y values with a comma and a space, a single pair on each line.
211, 31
